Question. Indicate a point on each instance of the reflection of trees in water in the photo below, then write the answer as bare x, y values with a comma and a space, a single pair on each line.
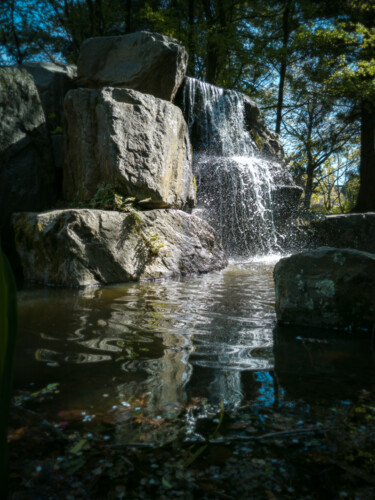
316, 364
147, 335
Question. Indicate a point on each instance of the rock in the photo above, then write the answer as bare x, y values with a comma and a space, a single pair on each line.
27, 175
285, 201
345, 231
53, 82
90, 247
134, 142
148, 62
326, 288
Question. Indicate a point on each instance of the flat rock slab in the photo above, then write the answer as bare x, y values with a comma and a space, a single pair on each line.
326, 288
151, 63
89, 247
346, 231
134, 142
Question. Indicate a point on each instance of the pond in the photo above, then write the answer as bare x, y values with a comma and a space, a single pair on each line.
166, 343
187, 388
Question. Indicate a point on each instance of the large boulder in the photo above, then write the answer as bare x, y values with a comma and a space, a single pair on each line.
345, 231
53, 82
89, 247
148, 62
134, 142
27, 175
327, 288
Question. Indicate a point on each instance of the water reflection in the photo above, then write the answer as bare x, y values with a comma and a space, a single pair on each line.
323, 364
211, 336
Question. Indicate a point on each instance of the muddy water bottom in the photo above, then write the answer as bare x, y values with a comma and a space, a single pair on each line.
158, 346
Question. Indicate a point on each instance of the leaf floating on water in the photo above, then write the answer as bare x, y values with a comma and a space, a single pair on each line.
166, 483
78, 447
49, 388
17, 434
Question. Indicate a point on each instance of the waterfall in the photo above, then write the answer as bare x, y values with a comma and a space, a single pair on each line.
235, 181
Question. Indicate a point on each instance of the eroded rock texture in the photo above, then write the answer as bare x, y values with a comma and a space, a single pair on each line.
327, 288
89, 247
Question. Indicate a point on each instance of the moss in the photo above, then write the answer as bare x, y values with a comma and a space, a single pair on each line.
195, 187
258, 140
25, 231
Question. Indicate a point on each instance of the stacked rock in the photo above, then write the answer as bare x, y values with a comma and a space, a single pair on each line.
122, 130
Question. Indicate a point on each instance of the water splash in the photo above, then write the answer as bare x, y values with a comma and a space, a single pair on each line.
235, 182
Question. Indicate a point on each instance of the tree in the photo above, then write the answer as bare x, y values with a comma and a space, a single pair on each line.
348, 36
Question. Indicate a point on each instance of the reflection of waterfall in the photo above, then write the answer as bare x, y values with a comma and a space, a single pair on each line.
236, 183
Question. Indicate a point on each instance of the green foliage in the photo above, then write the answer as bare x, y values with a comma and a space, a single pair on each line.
107, 198
8, 332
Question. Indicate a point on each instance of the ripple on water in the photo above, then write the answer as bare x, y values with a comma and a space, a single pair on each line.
210, 336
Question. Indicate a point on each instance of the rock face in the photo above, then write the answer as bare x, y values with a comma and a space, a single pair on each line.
53, 82
148, 62
135, 142
346, 231
27, 175
327, 288
89, 247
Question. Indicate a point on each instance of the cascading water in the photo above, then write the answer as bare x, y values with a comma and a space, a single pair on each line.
235, 182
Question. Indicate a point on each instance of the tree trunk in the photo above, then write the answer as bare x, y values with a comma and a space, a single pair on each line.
366, 196
309, 186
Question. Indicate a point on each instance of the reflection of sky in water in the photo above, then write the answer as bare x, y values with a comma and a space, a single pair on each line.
209, 336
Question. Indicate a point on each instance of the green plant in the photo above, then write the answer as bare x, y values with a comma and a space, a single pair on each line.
150, 240
8, 334
107, 198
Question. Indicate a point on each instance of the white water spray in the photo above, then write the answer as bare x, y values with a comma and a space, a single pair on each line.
235, 184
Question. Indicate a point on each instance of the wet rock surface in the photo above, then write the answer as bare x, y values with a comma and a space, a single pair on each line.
327, 288
203, 104
90, 247
148, 62
135, 142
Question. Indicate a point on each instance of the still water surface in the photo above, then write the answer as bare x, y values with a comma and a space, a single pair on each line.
212, 336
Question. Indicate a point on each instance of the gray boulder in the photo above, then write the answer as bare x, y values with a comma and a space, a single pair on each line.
53, 82
90, 247
134, 142
326, 288
345, 231
27, 175
148, 62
